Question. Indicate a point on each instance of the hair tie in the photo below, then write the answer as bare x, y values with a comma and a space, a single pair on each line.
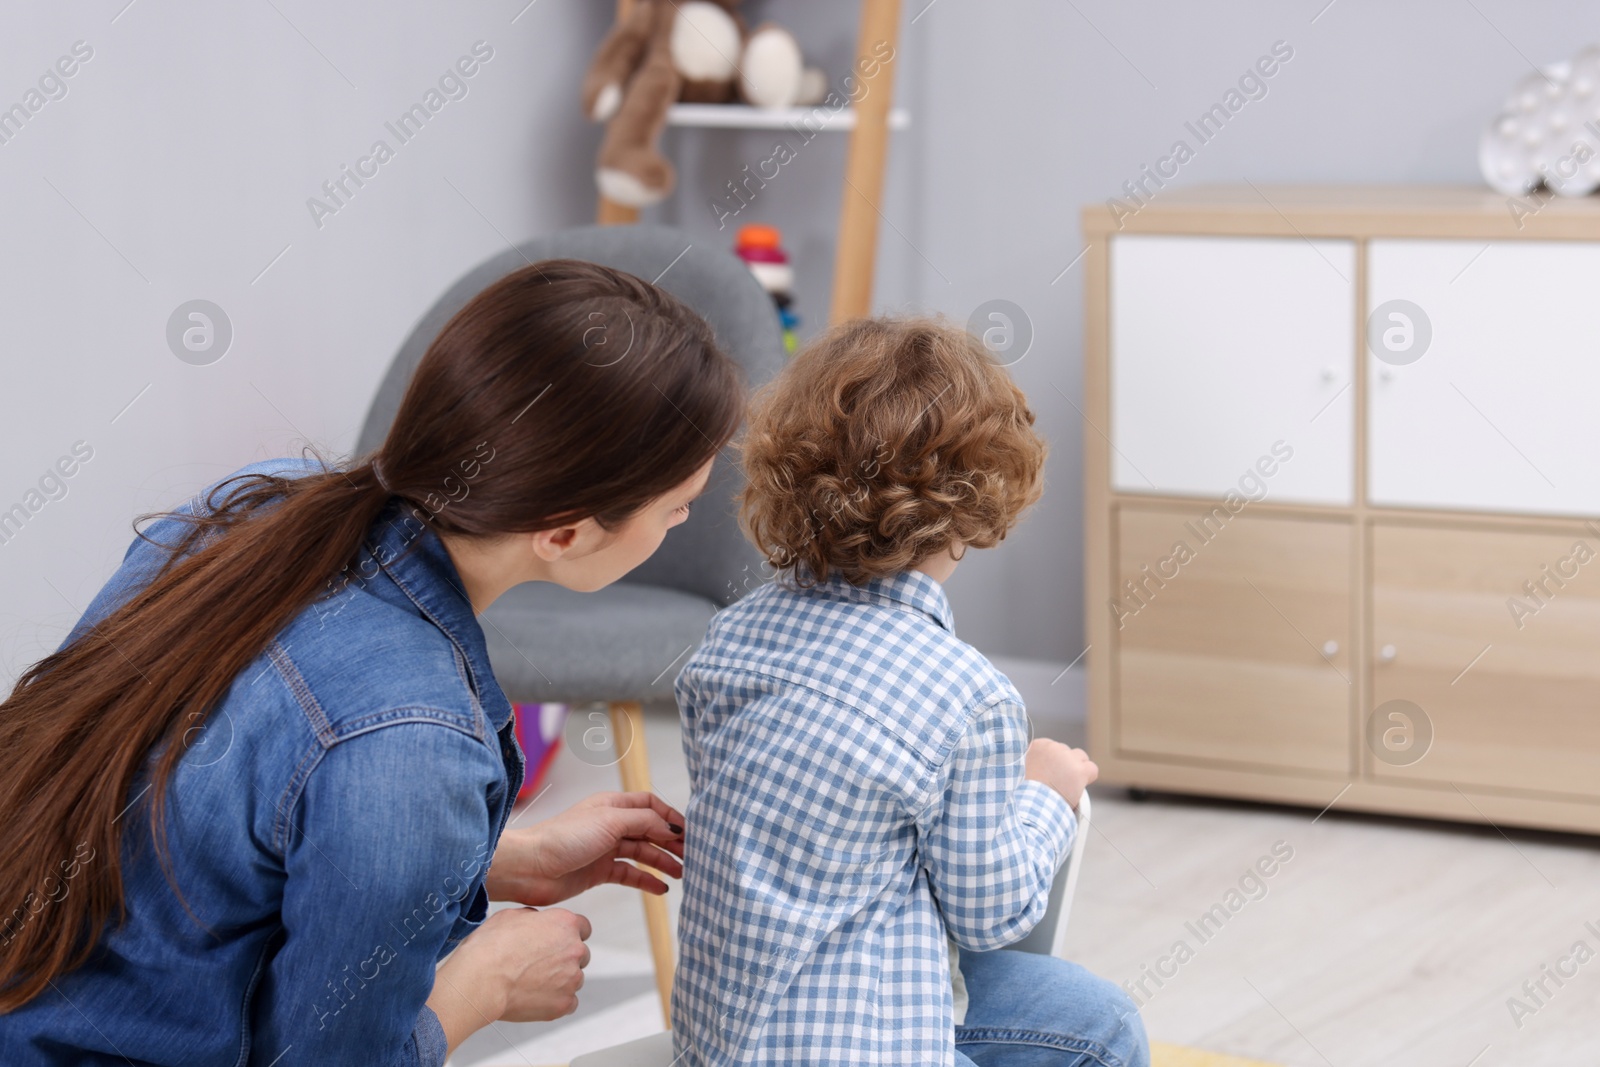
377, 473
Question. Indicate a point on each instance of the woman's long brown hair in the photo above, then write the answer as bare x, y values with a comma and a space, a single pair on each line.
594, 392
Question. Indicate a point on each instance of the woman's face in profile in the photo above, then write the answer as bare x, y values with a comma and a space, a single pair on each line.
636, 540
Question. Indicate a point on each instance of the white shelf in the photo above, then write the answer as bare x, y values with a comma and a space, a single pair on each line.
745, 117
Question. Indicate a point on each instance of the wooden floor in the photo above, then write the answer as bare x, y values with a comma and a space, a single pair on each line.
1380, 942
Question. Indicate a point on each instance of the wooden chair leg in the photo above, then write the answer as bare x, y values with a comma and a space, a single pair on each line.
627, 728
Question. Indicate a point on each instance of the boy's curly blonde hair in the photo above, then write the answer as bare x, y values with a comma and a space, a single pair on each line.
882, 443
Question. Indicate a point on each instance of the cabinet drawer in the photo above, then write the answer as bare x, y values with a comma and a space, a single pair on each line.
1232, 638
1224, 347
1497, 412
1495, 635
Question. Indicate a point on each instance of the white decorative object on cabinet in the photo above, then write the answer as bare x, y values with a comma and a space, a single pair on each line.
1541, 135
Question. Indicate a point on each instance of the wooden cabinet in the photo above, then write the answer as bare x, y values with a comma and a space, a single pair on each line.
1342, 500
1232, 640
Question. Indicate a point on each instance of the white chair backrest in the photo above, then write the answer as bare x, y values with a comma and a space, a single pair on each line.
1049, 936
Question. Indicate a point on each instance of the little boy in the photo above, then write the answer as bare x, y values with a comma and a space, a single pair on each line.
864, 793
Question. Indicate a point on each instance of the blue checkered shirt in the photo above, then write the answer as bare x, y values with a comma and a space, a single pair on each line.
857, 797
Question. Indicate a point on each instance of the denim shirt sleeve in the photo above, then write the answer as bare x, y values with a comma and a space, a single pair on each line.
385, 855
140, 564
991, 840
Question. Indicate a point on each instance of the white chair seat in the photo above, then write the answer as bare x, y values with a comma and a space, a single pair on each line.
652, 1051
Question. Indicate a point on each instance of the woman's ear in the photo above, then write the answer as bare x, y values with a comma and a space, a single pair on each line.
573, 541
554, 544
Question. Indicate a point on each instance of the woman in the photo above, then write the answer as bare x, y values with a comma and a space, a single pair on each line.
263, 786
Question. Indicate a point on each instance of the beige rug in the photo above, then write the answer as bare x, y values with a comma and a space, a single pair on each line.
1173, 1056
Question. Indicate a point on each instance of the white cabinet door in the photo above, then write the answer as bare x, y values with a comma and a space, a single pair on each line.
1501, 410
1227, 353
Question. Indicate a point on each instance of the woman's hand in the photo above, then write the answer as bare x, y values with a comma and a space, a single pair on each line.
521, 965
587, 845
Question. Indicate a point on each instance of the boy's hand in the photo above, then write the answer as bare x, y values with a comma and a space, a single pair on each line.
1063, 768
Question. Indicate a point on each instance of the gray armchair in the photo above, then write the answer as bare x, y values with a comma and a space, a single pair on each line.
620, 645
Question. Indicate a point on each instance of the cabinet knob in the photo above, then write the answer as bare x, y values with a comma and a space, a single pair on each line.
1387, 653
1329, 374
1330, 649
1386, 374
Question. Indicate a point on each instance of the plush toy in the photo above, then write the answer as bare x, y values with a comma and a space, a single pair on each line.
698, 52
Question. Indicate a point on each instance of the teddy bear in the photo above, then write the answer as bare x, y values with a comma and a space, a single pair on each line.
662, 52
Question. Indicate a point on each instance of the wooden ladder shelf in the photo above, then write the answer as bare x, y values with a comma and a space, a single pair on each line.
856, 251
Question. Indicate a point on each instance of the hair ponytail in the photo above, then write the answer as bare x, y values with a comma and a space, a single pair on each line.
508, 425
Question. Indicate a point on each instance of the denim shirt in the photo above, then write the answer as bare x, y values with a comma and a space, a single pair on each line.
330, 827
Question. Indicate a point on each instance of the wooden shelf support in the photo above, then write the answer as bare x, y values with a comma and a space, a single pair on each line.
856, 253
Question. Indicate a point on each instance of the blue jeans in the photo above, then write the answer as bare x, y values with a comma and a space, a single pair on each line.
1028, 1010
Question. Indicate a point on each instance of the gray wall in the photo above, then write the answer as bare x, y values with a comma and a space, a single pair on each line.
178, 165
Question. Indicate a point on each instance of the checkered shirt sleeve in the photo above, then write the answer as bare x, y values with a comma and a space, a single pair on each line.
990, 838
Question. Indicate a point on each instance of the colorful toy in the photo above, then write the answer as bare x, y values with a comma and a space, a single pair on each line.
761, 248
539, 733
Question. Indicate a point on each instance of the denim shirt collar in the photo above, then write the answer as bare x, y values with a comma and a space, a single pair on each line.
415, 559
907, 589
